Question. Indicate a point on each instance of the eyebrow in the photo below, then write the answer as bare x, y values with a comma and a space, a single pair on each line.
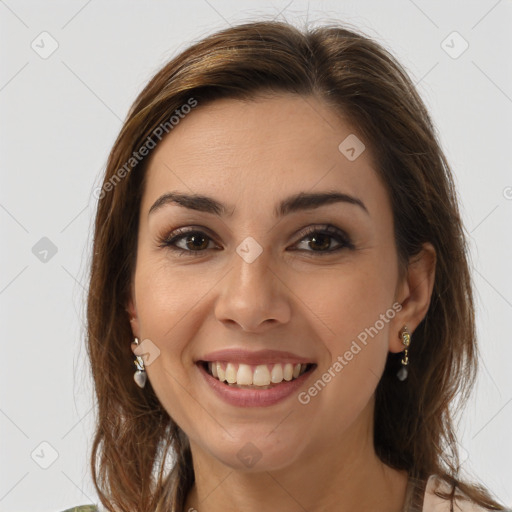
295, 203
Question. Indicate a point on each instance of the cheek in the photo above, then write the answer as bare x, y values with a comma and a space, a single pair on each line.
164, 296
346, 301
353, 310
166, 305
165, 309
173, 303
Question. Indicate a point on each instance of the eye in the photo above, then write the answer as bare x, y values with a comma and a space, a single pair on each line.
321, 238
193, 241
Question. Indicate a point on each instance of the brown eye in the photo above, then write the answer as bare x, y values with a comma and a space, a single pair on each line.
196, 241
187, 241
318, 240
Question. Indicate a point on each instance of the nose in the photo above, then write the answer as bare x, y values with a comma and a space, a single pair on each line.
253, 295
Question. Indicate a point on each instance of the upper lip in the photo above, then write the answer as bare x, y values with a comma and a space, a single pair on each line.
240, 355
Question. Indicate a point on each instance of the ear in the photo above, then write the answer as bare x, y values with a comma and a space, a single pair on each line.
414, 294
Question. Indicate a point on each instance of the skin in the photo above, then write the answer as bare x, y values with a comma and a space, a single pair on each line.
250, 155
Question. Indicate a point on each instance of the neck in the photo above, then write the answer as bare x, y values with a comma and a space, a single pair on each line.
344, 476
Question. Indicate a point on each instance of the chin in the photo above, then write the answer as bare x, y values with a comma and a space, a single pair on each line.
257, 450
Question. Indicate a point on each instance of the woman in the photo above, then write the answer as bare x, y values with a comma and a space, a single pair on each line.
280, 266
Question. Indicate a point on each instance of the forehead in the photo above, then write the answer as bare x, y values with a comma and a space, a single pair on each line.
258, 150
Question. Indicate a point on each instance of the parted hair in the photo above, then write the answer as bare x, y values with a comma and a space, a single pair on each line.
141, 459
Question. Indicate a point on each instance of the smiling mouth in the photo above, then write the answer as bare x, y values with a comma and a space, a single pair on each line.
247, 376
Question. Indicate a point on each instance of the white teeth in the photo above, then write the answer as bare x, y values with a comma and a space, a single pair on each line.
277, 374
261, 376
221, 374
230, 373
244, 375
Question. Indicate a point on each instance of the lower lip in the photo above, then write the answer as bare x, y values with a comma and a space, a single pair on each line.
241, 397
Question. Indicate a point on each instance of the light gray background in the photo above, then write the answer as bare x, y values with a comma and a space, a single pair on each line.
59, 118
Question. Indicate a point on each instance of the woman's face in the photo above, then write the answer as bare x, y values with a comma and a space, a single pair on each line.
255, 274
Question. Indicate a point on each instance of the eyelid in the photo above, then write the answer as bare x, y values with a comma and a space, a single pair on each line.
329, 230
323, 228
180, 233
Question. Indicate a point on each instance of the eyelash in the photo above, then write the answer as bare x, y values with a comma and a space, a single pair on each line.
329, 230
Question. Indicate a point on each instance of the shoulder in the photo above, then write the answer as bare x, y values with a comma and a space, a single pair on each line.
83, 508
433, 503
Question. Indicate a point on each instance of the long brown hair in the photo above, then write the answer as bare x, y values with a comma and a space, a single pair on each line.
141, 459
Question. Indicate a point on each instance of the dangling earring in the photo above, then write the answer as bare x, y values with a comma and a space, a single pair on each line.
140, 376
406, 340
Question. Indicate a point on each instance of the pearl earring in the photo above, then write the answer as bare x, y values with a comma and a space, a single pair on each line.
140, 376
406, 340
